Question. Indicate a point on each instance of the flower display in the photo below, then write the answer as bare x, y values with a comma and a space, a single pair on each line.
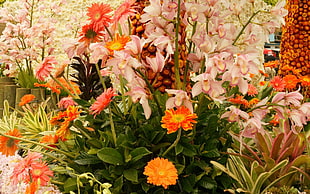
166, 96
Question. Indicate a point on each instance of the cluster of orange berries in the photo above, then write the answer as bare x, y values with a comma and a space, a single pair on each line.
295, 47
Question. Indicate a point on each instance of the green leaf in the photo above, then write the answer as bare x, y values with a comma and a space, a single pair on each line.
118, 184
188, 183
178, 149
70, 185
138, 153
211, 153
188, 149
207, 182
131, 175
82, 102
111, 156
86, 159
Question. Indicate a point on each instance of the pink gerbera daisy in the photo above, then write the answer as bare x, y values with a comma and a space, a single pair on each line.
252, 90
102, 101
40, 172
45, 67
124, 11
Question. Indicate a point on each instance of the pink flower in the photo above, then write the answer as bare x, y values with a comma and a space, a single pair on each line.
65, 102
286, 99
124, 11
40, 173
252, 126
22, 168
234, 114
135, 46
45, 68
102, 101
180, 98
99, 51
157, 64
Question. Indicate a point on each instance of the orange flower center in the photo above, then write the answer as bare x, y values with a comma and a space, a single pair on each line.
37, 172
116, 46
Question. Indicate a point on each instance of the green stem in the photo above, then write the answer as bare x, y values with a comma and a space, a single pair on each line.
112, 126
174, 143
39, 144
121, 80
243, 28
176, 53
100, 77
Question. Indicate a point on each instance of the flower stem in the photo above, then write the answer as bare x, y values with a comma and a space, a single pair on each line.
100, 77
176, 53
63, 87
112, 126
242, 30
176, 141
39, 144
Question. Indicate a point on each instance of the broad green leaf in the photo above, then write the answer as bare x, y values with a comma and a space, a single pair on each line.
264, 176
138, 153
276, 146
178, 149
188, 183
111, 156
131, 175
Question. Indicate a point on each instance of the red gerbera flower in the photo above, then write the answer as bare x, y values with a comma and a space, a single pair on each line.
97, 13
91, 34
40, 172
277, 83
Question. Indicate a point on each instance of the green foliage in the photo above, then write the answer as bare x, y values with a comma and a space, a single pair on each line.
271, 2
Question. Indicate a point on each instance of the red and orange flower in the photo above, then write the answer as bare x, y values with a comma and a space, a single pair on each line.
161, 172
118, 43
26, 99
98, 14
179, 118
291, 81
8, 146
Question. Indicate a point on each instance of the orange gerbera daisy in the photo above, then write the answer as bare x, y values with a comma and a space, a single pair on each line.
97, 13
253, 101
26, 99
63, 132
102, 101
161, 172
290, 81
91, 34
175, 119
118, 43
8, 146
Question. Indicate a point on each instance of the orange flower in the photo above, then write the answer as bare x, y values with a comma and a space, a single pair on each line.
32, 188
161, 172
290, 81
97, 13
175, 119
253, 101
63, 132
8, 146
26, 99
305, 80
118, 43
262, 83
51, 140
40, 173
239, 100
102, 101
272, 64
275, 120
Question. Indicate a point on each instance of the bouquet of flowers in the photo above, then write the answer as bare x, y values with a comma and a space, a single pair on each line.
174, 98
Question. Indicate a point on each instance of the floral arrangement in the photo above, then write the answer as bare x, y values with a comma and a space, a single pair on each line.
172, 97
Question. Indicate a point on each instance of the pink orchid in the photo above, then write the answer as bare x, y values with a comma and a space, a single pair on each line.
99, 51
286, 99
138, 94
196, 11
135, 46
279, 11
252, 126
157, 64
180, 98
234, 114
